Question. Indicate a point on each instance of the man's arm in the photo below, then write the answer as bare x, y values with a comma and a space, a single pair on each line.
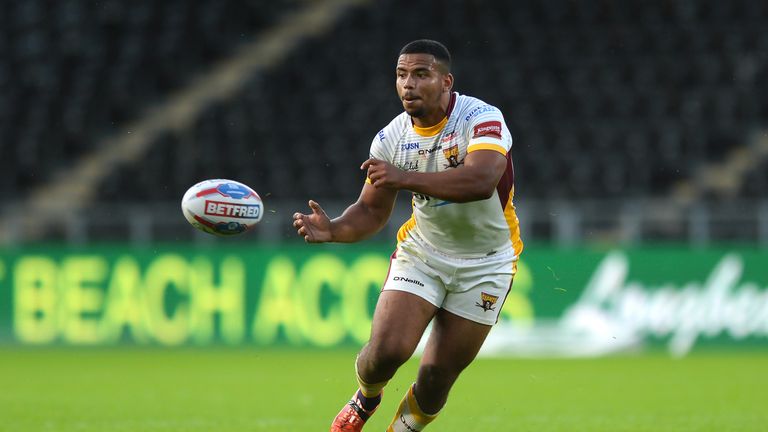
359, 221
473, 181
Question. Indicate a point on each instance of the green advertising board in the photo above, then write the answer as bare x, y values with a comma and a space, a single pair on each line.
564, 302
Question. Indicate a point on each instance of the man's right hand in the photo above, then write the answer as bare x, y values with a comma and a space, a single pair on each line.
314, 227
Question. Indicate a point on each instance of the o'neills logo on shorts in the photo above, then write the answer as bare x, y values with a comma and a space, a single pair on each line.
490, 128
405, 279
243, 211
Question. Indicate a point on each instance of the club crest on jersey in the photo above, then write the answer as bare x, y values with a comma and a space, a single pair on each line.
452, 154
488, 301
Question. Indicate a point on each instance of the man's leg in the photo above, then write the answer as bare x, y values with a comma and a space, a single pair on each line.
398, 325
399, 322
453, 344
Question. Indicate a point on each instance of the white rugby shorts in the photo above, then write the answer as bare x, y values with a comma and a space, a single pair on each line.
472, 288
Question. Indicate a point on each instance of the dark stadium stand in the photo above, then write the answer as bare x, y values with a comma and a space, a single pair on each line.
75, 71
755, 184
604, 99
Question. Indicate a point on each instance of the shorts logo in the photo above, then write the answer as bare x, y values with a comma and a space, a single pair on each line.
488, 301
404, 279
490, 129
452, 154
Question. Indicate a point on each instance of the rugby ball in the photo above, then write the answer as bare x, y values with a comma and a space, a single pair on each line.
222, 207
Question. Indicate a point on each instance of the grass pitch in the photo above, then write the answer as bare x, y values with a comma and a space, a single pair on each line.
131, 389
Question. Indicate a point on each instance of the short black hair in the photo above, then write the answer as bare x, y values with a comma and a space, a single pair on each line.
428, 46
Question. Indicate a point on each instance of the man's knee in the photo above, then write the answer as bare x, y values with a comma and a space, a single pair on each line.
385, 356
437, 377
433, 385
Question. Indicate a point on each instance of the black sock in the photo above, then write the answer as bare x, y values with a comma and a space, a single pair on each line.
368, 404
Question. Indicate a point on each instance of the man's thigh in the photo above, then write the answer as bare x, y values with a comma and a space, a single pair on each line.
454, 341
400, 319
410, 297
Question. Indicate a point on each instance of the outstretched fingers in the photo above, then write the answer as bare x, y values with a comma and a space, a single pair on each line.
316, 209
301, 225
303, 222
314, 227
304, 230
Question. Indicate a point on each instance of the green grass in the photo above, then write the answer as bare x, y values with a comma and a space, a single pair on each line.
59, 389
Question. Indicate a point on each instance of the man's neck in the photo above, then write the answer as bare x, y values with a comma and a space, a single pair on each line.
436, 117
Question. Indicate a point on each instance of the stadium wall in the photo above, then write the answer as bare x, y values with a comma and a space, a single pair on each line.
564, 302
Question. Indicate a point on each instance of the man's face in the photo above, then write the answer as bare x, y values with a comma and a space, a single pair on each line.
421, 81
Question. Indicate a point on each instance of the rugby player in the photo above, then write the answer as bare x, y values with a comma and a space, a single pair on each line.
456, 256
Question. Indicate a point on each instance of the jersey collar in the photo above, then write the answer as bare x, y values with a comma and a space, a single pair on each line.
434, 130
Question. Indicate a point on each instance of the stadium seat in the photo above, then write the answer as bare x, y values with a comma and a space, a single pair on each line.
603, 99
76, 71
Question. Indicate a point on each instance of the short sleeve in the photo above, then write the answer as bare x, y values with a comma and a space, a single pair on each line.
487, 131
380, 149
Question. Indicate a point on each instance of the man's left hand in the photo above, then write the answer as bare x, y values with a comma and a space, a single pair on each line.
384, 174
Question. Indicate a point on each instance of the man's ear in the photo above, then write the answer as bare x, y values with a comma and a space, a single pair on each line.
448, 82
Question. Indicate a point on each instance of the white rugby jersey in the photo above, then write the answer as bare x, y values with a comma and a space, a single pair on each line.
470, 229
